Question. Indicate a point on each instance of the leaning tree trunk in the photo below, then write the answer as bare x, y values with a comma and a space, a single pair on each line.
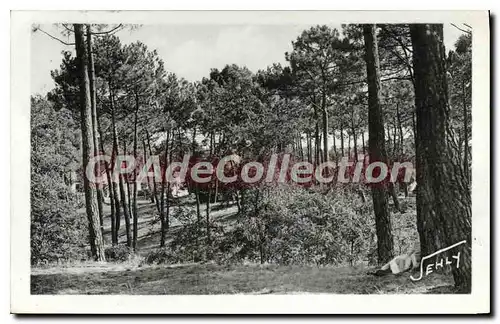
376, 145
95, 133
443, 196
95, 234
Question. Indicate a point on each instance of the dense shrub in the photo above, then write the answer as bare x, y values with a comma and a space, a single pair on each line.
289, 224
117, 253
58, 233
295, 225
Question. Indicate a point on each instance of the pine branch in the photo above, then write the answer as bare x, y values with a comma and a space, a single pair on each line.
53, 37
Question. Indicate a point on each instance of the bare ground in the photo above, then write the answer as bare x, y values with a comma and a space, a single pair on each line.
113, 279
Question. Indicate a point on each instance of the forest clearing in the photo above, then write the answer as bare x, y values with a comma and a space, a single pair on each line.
146, 181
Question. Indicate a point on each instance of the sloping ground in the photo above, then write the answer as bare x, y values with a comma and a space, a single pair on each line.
133, 277
231, 279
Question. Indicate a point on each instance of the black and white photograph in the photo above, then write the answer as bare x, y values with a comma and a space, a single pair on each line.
252, 155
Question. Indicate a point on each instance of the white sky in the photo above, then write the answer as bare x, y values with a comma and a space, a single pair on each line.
190, 51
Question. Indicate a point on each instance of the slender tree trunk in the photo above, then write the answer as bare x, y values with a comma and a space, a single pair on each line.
95, 234
414, 127
207, 220
193, 142
125, 203
325, 126
112, 196
198, 212
443, 196
134, 196
309, 148
363, 140
316, 134
207, 217
334, 145
400, 129
376, 146
162, 194
388, 151
95, 133
148, 178
155, 191
114, 185
342, 139
355, 139
127, 182
167, 213
395, 142
349, 145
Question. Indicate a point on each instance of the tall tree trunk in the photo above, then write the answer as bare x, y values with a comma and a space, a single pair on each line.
95, 133
125, 203
300, 147
148, 178
376, 146
155, 191
207, 220
349, 145
342, 139
443, 196
325, 126
363, 140
112, 196
394, 140
466, 133
162, 194
355, 139
193, 142
134, 196
400, 129
207, 217
115, 186
334, 144
95, 234
414, 127
316, 137
127, 182
309, 148
388, 151
167, 213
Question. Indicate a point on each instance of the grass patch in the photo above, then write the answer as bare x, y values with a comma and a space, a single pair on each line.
207, 279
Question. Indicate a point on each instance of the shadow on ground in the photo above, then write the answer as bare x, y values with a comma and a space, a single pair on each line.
230, 279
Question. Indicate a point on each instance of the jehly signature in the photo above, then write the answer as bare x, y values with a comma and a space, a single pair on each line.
436, 265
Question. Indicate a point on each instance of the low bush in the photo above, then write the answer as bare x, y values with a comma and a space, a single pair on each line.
118, 253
